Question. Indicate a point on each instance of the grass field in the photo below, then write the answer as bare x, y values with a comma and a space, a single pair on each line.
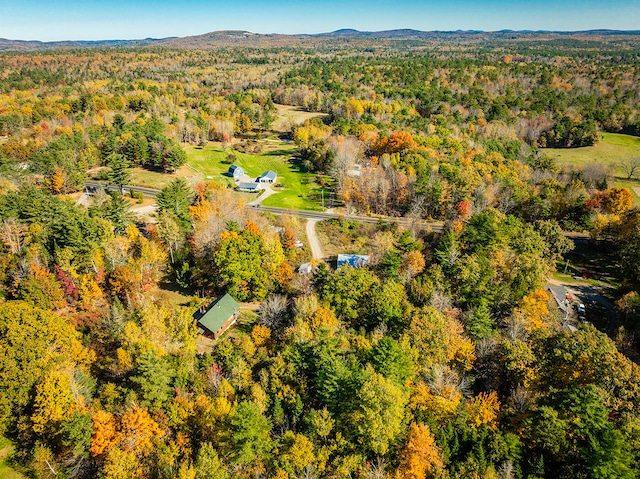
609, 151
6, 471
158, 180
286, 115
298, 191
150, 178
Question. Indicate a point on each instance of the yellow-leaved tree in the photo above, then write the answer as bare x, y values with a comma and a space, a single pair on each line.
533, 311
483, 410
53, 402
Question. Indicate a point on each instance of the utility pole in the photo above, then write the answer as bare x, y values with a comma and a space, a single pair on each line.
322, 190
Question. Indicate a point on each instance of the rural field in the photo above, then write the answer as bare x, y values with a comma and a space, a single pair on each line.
296, 189
158, 180
609, 151
288, 115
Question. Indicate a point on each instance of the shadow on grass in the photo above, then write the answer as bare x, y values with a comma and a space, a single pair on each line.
592, 259
286, 152
246, 321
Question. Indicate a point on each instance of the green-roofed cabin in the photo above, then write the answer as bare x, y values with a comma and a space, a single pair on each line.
218, 317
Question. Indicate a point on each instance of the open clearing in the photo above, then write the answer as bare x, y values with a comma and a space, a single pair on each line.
151, 178
298, 189
158, 180
609, 151
287, 115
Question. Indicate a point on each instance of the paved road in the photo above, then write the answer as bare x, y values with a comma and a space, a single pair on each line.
319, 216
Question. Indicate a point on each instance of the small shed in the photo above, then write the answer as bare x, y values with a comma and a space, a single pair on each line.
268, 177
305, 268
250, 187
235, 172
353, 260
218, 317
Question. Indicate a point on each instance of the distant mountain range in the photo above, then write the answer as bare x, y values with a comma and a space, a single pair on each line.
218, 38
26, 45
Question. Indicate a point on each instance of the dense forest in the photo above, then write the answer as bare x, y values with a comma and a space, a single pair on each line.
445, 356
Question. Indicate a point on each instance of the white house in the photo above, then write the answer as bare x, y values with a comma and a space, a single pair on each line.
268, 177
251, 187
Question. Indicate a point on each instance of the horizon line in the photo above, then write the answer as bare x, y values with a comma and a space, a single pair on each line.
471, 31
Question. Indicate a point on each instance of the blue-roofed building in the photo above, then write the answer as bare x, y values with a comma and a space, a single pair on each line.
353, 260
235, 172
268, 177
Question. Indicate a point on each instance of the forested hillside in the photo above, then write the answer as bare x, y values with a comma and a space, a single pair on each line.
444, 356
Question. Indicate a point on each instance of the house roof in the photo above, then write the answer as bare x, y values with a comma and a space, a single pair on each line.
270, 175
249, 186
353, 260
233, 168
218, 313
560, 295
305, 268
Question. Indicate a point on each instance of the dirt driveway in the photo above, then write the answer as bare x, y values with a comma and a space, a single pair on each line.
314, 242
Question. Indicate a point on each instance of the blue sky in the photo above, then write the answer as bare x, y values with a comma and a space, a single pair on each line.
119, 19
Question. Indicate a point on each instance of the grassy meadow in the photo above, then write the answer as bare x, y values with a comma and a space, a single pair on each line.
609, 151
158, 179
287, 115
296, 188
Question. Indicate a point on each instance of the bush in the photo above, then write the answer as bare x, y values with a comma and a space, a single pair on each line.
230, 159
136, 195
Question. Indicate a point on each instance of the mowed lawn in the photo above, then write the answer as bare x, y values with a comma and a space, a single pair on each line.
298, 191
613, 148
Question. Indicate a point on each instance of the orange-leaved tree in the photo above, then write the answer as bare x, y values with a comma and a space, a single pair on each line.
420, 456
